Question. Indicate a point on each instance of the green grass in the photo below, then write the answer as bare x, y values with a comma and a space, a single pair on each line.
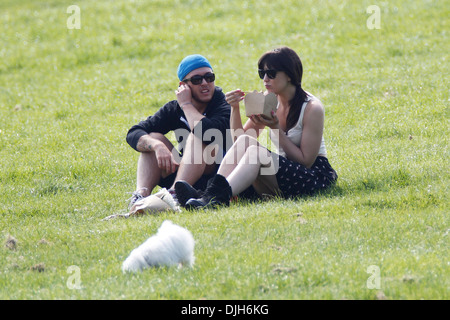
68, 97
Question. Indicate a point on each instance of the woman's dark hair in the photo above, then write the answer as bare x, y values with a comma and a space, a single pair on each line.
286, 60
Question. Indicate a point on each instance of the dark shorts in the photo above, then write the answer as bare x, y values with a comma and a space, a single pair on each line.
168, 181
296, 180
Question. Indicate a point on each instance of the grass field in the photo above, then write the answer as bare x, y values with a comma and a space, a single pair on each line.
68, 97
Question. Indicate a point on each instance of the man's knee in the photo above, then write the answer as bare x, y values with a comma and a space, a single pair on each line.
162, 138
199, 153
148, 166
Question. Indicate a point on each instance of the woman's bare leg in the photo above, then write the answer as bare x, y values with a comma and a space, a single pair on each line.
248, 172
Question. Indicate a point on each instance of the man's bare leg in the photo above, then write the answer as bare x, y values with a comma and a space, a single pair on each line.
193, 164
148, 172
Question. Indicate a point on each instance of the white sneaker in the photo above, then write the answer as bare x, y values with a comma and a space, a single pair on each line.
135, 196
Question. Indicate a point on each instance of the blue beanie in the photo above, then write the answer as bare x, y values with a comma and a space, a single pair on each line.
190, 63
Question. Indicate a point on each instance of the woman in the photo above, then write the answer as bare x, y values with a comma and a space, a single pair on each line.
300, 167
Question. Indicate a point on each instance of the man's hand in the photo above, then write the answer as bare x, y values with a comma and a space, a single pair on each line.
163, 154
184, 95
165, 159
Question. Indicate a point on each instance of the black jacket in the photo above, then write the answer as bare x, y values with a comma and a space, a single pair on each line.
171, 117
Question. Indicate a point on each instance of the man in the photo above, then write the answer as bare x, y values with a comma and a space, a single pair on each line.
200, 106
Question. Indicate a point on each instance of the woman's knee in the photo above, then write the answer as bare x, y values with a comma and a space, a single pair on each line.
244, 142
258, 155
245, 138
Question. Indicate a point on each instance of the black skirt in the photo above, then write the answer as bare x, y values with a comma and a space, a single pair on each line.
296, 180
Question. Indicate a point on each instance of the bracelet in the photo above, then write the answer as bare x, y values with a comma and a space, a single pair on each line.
185, 104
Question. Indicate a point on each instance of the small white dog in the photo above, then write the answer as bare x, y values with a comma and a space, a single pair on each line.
171, 245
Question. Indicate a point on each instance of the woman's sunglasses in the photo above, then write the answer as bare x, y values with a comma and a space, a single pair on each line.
270, 73
198, 79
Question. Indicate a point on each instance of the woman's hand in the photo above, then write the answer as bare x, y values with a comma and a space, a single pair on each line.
234, 97
271, 122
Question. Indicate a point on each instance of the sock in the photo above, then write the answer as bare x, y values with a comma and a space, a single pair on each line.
174, 195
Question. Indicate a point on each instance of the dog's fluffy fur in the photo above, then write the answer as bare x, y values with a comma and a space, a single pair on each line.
171, 245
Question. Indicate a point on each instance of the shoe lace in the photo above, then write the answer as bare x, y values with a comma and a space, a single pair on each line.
136, 195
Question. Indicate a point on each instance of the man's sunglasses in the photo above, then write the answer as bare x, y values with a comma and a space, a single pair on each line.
198, 79
270, 73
